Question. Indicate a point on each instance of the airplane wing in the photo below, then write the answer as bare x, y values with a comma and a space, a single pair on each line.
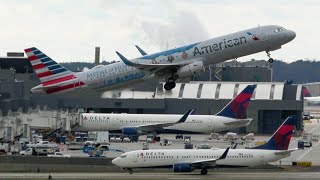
159, 126
209, 162
239, 122
154, 68
285, 151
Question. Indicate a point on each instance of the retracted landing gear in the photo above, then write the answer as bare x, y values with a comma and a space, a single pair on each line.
169, 85
204, 171
270, 59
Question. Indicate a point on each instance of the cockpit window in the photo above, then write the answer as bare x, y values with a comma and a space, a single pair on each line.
279, 29
123, 156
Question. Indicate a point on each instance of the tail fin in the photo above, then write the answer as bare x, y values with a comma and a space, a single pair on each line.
48, 71
280, 140
237, 107
306, 92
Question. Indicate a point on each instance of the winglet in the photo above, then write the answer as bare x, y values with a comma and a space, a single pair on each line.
235, 146
185, 116
142, 52
224, 155
125, 60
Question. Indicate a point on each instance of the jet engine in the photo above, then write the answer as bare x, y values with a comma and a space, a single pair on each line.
182, 167
130, 131
190, 69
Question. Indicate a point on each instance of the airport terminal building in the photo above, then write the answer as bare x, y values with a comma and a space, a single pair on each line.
271, 102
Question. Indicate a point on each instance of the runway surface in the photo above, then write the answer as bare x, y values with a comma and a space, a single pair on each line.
155, 176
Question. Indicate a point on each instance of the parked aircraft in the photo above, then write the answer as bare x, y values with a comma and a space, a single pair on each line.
173, 64
230, 117
187, 160
309, 98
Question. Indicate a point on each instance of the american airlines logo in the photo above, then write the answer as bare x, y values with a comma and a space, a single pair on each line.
213, 48
253, 36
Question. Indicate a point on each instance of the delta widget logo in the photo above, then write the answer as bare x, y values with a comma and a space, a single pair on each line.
253, 36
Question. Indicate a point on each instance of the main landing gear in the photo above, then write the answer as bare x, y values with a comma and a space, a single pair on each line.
130, 171
169, 85
204, 171
270, 59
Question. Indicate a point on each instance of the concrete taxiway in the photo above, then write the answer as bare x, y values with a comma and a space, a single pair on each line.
155, 176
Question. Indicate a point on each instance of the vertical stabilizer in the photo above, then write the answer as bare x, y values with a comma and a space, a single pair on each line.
280, 140
237, 107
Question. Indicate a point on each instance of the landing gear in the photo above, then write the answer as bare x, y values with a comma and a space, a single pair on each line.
270, 59
169, 85
130, 171
204, 171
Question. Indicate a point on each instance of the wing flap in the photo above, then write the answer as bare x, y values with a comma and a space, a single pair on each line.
159, 126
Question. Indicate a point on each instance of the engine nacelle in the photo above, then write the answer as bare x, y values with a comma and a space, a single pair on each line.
190, 69
130, 131
182, 167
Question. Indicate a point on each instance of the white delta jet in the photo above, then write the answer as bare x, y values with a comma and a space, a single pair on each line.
309, 98
170, 65
232, 116
187, 160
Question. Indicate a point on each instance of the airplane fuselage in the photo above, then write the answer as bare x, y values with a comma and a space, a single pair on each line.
212, 51
168, 157
315, 99
193, 124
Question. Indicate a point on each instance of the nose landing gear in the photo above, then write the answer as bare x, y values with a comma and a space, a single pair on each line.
270, 59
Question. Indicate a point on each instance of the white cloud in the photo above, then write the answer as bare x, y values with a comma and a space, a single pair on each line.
69, 30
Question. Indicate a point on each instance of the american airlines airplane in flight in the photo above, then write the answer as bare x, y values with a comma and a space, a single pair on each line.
232, 116
187, 160
173, 64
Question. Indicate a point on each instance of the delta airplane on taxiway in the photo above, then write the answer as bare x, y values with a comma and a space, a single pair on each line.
170, 65
187, 160
232, 116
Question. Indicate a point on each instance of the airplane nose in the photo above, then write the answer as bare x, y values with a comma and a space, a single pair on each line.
115, 161
291, 35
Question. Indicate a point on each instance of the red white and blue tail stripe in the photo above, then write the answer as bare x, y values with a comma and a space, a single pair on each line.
53, 76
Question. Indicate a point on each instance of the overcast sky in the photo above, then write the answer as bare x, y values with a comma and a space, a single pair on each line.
68, 30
